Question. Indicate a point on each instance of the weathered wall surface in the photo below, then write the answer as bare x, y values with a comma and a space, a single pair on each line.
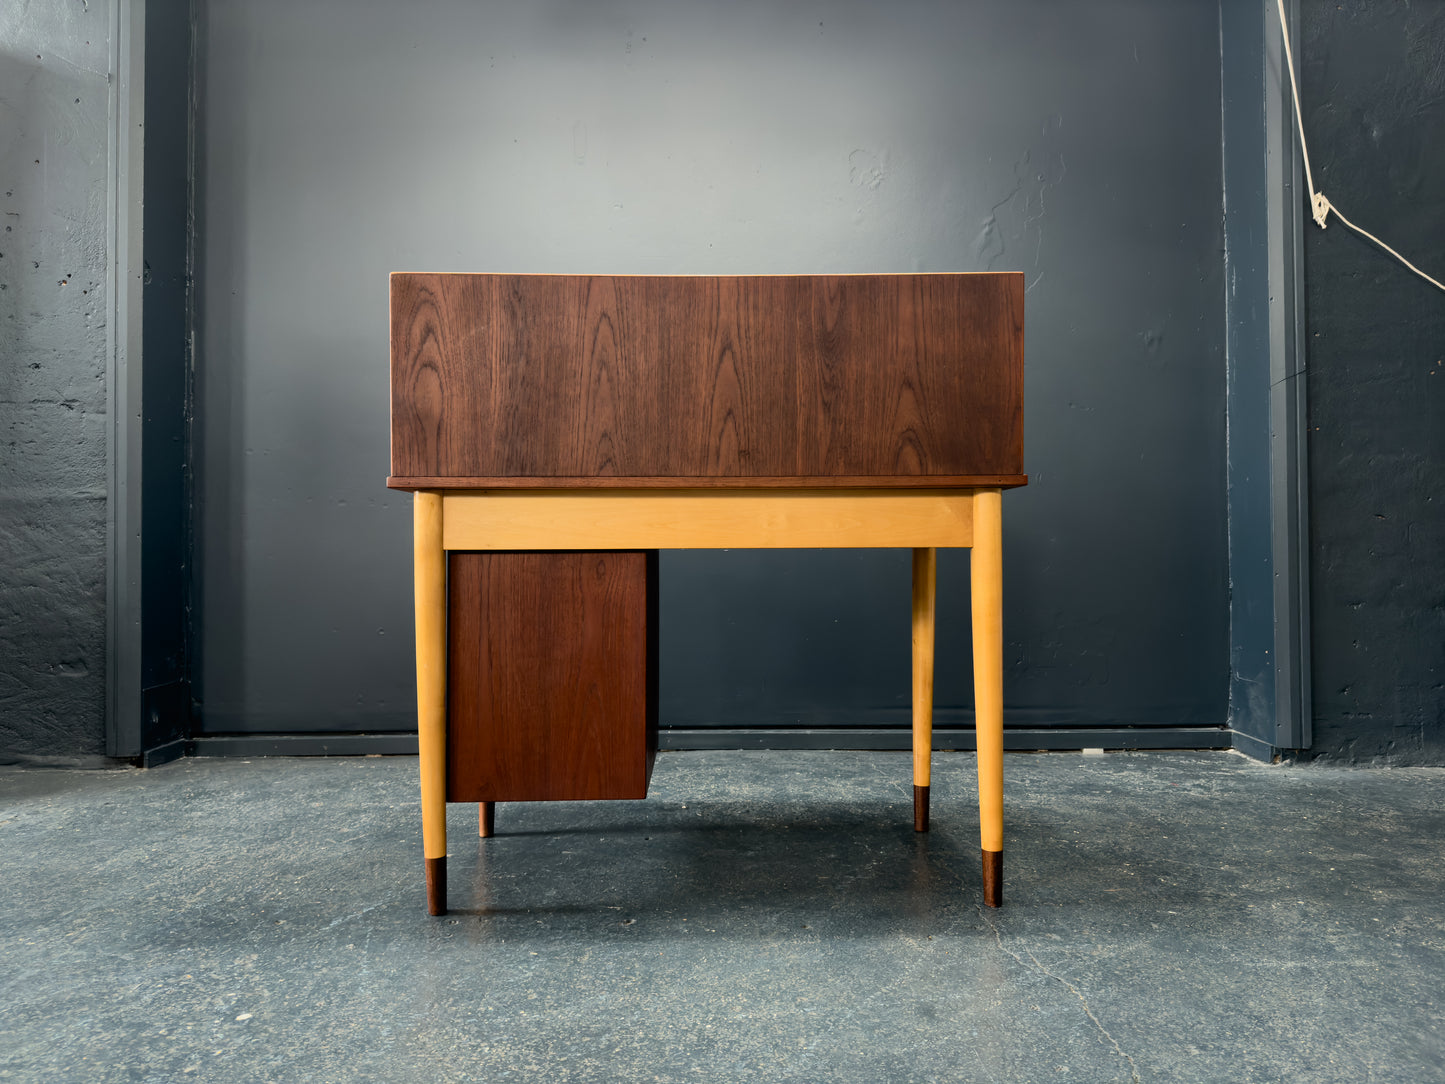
54, 56
1374, 99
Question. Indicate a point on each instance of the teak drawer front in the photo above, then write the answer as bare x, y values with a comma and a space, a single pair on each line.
584, 380
552, 675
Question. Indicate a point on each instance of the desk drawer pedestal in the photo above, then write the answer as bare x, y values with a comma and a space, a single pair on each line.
551, 675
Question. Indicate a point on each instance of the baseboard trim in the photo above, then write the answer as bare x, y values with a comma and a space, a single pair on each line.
82, 762
303, 745
1253, 748
1042, 739
164, 754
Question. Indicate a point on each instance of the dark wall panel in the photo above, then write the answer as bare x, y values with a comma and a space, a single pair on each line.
165, 451
1373, 86
1078, 143
1251, 566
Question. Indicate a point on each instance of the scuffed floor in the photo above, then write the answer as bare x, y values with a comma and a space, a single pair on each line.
764, 916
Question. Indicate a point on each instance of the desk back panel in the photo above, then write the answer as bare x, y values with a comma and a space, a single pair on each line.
573, 380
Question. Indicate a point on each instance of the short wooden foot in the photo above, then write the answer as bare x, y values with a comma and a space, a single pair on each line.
993, 878
920, 809
436, 886
487, 819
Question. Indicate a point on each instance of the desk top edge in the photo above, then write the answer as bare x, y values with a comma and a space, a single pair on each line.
897, 484
706, 275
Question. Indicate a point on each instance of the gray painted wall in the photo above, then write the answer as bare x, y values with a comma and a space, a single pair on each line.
54, 57
1374, 96
770, 186
1078, 143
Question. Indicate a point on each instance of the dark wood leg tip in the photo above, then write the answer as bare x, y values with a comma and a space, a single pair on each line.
436, 886
993, 878
488, 819
920, 809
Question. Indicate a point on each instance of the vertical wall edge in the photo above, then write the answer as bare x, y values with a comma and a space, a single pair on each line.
1288, 397
124, 203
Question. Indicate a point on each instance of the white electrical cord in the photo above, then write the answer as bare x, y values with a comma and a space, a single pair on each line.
1320, 206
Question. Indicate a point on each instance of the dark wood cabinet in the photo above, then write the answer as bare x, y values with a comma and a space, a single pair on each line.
552, 663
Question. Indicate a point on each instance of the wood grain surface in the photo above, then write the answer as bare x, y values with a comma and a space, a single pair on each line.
877, 379
622, 519
921, 481
552, 676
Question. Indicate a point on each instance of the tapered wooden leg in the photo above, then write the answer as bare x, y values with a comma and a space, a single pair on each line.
431, 691
487, 819
986, 563
925, 581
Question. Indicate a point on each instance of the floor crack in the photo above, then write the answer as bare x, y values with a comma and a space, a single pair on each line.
890, 778
1089, 1012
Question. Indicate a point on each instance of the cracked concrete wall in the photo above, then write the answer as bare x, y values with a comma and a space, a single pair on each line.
54, 56
1373, 91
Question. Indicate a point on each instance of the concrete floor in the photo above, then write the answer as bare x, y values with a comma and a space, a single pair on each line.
762, 917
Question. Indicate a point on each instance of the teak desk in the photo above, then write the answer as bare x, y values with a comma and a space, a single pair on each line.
558, 430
